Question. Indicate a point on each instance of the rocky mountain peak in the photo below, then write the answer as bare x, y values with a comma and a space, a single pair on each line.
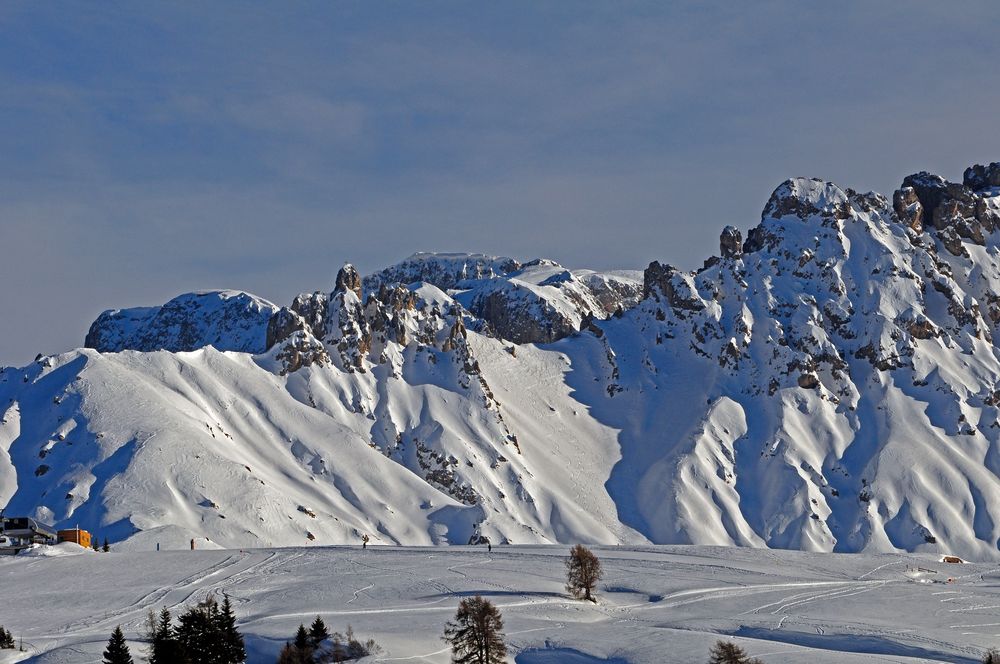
730, 242
808, 197
348, 279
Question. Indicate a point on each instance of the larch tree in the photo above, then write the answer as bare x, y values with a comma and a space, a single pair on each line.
476, 635
727, 652
583, 571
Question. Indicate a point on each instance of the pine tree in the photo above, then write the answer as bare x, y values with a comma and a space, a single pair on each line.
117, 650
93, 544
106, 546
207, 634
302, 638
198, 633
992, 657
583, 571
318, 632
476, 636
6, 639
233, 649
164, 647
727, 652
303, 645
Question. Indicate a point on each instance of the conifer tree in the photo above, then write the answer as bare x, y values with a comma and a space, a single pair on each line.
198, 633
992, 657
6, 639
106, 546
117, 650
233, 649
476, 635
583, 571
164, 646
302, 638
318, 632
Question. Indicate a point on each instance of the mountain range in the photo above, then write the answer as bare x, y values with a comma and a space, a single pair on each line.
829, 383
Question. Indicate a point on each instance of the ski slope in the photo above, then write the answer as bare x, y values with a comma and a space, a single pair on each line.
656, 604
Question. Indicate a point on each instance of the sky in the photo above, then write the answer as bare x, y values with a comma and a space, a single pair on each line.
150, 149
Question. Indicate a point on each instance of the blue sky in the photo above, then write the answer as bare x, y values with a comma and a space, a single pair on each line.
150, 149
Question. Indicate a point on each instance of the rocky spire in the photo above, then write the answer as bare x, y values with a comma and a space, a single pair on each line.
731, 242
348, 279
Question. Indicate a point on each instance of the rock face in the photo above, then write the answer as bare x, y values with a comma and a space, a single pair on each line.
348, 279
730, 242
226, 320
967, 211
980, 177
674, 286
909, 209
537, 302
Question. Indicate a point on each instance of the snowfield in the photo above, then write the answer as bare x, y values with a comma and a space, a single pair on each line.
656, 604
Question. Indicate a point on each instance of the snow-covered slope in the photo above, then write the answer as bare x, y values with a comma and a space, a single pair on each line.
830, 384
656, 605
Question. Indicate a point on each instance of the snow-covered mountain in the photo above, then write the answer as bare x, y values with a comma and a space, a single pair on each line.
831, 383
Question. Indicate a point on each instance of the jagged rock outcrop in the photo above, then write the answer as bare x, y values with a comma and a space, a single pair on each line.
908, 208
298, 350
314, 308
348, 279
675, 286
730, 242
979, 177
283, 324
966, 211
348, 330
537, 302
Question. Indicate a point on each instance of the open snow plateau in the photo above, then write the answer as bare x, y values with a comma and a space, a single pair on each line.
655, 604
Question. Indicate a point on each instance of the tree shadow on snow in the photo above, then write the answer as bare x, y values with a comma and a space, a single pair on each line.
496, 593
852, 643
562, 656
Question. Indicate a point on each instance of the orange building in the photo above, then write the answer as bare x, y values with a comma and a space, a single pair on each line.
75, 535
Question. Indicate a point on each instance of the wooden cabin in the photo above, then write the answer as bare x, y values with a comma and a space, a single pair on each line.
75, 535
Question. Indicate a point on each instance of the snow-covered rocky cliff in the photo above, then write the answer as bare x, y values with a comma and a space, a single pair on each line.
830, 383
